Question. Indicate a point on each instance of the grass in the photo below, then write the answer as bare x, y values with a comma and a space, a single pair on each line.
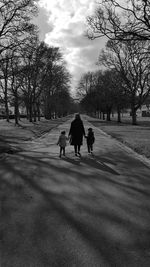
11, 136
136, 137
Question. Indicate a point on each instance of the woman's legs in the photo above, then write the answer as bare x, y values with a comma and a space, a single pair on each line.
77, 149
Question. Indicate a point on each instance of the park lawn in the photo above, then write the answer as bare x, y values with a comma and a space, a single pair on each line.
136, 137
13, 137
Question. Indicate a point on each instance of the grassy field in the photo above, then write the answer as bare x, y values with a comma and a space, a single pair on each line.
11, 136
136, 137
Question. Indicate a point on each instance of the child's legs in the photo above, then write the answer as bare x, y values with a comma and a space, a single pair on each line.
63, 149
88, 147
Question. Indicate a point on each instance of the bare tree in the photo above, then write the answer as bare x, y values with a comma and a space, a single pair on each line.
96, 89
4, 80
86, 84
15, 21
133, 64
120, 20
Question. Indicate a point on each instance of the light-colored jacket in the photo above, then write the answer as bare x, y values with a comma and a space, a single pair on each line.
62, 141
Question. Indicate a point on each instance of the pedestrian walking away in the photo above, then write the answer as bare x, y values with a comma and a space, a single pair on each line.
90, 139
62, 142
76, 134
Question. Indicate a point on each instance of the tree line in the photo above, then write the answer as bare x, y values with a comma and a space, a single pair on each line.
124, 80
33, 75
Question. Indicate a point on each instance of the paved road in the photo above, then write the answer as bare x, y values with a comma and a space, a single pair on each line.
88, 212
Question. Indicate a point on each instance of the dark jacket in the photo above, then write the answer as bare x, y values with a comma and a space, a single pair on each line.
76, 132
90, 138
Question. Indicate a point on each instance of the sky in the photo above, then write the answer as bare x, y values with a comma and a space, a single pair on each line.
62, 23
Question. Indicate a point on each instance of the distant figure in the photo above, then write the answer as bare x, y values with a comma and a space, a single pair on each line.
76, 134
90, 140
62, 142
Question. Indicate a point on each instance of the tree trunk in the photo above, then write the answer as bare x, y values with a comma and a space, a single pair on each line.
6, 102
34, 112
30, 114
38, 111
133, 111
48, 113
27, 111
108, 116
30, 110
34, 115
134, 120
119, 114
16, 111
6, 109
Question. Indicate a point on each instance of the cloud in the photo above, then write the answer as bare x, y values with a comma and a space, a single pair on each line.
67, 26
42, 22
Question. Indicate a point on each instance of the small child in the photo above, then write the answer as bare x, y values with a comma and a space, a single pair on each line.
90, 140
62, 142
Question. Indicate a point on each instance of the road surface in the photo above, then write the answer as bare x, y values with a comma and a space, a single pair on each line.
92, 211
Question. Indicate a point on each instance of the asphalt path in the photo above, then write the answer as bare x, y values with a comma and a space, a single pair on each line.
92, 211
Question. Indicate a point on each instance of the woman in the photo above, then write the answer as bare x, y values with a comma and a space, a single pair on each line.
76, 134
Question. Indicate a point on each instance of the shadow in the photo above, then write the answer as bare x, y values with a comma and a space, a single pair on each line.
104, 159
74, 161
50, 219
98, 164
13, 140
93, 162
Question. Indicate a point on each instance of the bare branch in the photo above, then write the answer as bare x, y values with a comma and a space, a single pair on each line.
120, 21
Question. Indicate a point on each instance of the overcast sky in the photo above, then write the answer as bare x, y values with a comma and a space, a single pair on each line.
62, 24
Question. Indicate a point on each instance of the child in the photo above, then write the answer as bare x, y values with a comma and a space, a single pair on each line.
90, 140
62, 142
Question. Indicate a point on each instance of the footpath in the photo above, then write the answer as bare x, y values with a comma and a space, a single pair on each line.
92, 211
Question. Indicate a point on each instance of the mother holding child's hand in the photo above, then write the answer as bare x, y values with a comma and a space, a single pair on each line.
76, 134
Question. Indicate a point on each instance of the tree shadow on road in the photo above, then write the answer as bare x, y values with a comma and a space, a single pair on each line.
98, 162
105, 159
92, 163
44, 210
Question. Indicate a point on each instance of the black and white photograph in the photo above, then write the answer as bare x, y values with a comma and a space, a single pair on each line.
74, 133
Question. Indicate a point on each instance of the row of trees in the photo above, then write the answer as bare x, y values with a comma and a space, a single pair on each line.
125, 82
32, 74
101, 94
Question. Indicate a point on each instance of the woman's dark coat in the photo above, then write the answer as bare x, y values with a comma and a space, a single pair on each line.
76, 132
